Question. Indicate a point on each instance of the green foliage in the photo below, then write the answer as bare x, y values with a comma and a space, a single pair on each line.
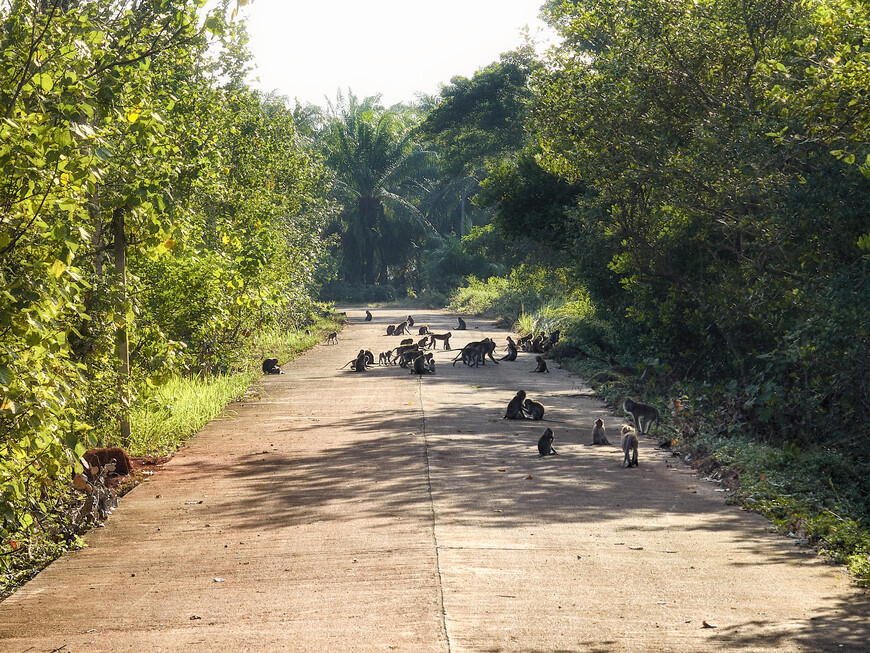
483, 117
379, 173
507, 297
445, 266
140, 202
181, 407
716, 233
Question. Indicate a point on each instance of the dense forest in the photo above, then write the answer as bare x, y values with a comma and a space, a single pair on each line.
682, 188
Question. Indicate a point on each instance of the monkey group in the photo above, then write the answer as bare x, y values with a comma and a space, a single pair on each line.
412, 354
522, 408
643, 416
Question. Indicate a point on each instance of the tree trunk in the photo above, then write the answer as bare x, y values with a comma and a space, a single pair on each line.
122, 343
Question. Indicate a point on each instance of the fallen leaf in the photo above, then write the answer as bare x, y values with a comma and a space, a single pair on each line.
708, 625
636, 548
529, 477
502, 469
220, 580
195, 617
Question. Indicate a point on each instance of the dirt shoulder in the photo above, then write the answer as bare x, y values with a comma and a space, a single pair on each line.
385, 511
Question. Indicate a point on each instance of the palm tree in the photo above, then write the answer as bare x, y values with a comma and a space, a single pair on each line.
379, 175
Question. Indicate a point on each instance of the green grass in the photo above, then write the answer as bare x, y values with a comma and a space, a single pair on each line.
184, 404
180, 408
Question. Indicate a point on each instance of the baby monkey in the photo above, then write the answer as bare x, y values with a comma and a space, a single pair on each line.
629, 445
545, 443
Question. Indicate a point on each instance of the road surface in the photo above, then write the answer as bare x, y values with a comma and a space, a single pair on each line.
382, 511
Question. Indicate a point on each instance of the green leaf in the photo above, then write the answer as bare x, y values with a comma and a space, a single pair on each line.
44, 80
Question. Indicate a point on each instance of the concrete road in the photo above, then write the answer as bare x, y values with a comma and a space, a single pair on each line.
382, 511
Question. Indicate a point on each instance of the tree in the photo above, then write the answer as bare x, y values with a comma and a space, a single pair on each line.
727, 227
379, 174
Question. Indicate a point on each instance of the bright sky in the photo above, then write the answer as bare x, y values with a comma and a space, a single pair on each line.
310, 49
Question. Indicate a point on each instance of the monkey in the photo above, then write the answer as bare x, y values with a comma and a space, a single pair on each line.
391, 329
542, 365
407, 341
598, 433
423, 331
370, 358
515, 407
643, 414
332, 338
410, 321
467, 354
423, 364
550, 341
533, 409
629, 444
401, 329
368, 316
307, 332
487, 349
96, 458
270, 366
475, 353
407, 355
445, 338
532, 344
545, 444
423, 342
462, 326
359, 363
521, 343
512, 351
384, 358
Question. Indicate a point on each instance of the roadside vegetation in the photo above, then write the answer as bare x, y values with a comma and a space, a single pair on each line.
679, 188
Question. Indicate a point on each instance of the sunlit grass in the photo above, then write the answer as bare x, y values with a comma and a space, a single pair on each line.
184, 404
179, 409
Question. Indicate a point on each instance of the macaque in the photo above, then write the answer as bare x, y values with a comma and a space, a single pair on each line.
629, 446
598, 433
643, 414
542, 365
545, 443
515, 407
534, 409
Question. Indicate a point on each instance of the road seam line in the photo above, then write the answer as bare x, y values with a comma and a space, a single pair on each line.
432, 514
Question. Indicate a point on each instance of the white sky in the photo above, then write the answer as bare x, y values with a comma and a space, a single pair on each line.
309, 49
